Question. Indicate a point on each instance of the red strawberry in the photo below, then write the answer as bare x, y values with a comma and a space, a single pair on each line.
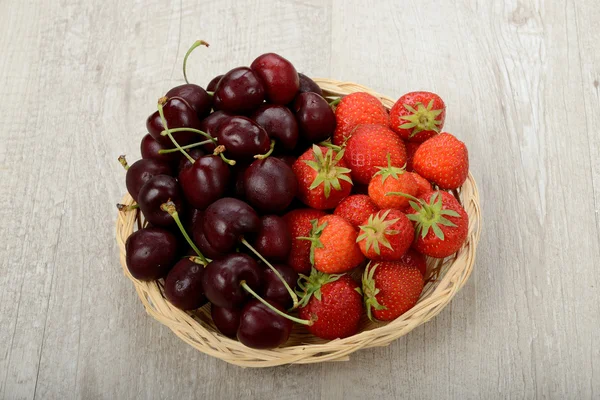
441, 224
417, 116
411, 148
356, 208
323, 177
368, 148
333, 245
392, 179
333, 303
415, 259
386, 235
355, 109
443, 160
422, 183
299, 225
390, 289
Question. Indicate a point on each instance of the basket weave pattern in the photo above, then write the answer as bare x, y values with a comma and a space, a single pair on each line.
444, 279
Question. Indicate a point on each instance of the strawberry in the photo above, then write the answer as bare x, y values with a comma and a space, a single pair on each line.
299, 225
333, 247
390, 289
386, 235
443, 160
422, 183
415, 259
323, 179
356, 208
355, 109
441, 223
392, 179
368, 148
411, 148
333, 302
417, 116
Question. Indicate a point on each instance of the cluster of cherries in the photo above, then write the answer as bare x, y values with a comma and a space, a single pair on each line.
214, 178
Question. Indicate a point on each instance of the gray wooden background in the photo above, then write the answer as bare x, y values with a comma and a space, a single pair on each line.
521, 81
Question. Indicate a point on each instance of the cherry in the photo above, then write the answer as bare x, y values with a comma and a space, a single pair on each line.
205, 181
226, 220
273, 288
142, 171
261, 328
270, 185
150, 148
279, 77
203, 245
222, 279
238, 190
242, 138
195, 96
178, 115
155, 192
183, 285
273, 240
150, 253
239, 91
184, 162
227, 320
279, 123
308, 85
288, 159
315, 118
210, 125
212, 85
191, 217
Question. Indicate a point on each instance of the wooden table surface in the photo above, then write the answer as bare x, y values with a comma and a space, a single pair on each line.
521, 81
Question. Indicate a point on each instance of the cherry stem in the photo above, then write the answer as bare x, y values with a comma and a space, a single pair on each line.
335, 102
175, 130
125, 208
189, 146
287, 287
197, 43
169, 207
211, 94
198, 260
123, 162
274, 309
219, 151
268, 153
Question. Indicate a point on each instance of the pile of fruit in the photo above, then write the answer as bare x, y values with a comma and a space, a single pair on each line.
266, 198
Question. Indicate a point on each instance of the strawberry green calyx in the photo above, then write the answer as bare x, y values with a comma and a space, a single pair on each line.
376, 230
327, 143
314, 238
421, 119
329, 173
311, 285
390, 170
370, 291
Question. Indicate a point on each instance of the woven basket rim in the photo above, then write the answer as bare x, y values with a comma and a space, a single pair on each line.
445, 278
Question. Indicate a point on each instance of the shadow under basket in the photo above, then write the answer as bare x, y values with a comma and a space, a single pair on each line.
444, 279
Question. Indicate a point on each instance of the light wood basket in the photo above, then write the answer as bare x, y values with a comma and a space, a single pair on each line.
444, 279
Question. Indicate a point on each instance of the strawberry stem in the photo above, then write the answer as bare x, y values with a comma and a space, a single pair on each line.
274, 309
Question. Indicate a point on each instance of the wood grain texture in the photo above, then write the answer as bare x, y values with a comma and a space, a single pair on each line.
521, 81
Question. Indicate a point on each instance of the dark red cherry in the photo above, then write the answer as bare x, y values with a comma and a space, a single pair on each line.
239, 170
184, 162
212, 85
227, 320
150, 253
308, 85
288, 159
239, 91
183, 285
273, 288
189, 219
200, 241
222, 279
142, 171
196, 97
280, 124
279, 77
205, 181
273, 240
315, 118
210, 124
242, 138
157, 191
178, 115
270, 185
226, 220
150, 149
261, 328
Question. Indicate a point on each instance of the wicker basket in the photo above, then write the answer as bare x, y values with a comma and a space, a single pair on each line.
444, 279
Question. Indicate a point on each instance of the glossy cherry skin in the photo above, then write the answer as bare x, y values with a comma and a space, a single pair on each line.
308, 85
150, 149
222, 279
273, 240
239, 91
142, 171
194, 152
273, 288
210, 124
200, 241
288, 159
154, 193
226, 220
178, 115
212, 85
196, 97
190, 219
150, 253
279, 77
242, 138
205, 181
261, 328
280, 124
315, 117
227, 320
183, 285
270, 185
